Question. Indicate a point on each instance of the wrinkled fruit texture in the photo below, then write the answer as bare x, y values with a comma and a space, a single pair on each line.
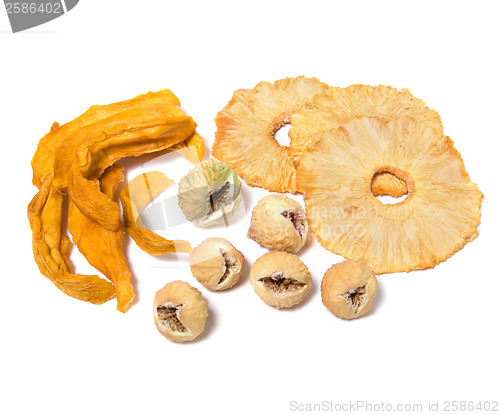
348, 289
103, 248
280, 279
440, 214
135, 197
76, 154
246, 126
279, 223
210, 193
179, 312
216, 264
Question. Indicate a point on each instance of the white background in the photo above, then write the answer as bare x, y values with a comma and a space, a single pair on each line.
432, 335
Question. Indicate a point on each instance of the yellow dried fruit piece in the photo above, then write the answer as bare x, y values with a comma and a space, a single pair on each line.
135, 197
51, 163
281, 279
246, 126
216, 264
51, 249
279, 223
348, 289
437, 218
58, 146
179, 312
102, 248
340, 105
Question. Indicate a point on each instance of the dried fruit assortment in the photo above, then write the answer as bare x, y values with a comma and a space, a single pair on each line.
74, 156
348, 146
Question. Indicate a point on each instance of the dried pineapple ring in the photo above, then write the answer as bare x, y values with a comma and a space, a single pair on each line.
246, 126
439, 215
340, 105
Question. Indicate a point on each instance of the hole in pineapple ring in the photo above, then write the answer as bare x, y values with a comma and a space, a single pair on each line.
391, 185
281, 135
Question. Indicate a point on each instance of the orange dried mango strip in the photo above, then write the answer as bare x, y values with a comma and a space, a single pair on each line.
129, 133
51, 163
50, 244
50, 249
135, 197
103, 248
43, 160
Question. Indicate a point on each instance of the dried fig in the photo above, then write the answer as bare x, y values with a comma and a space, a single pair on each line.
280, 279
279, 223
179, 312
209, 193
216, 264
348, 289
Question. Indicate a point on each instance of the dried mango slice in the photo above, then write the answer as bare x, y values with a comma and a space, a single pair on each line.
50, 244
102, 248
51, 164
438, 217
43, 160
135, 197
50, 249
129, 133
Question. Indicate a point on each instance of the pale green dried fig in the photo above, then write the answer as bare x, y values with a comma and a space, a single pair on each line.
210, 193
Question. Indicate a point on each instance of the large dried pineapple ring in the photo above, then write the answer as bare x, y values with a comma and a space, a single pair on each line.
340, 105
437, 218
246, 126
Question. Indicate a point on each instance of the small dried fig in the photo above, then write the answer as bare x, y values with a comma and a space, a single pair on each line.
348, 289
279, 223
179, 312
280, 279
216, 264
210, 193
